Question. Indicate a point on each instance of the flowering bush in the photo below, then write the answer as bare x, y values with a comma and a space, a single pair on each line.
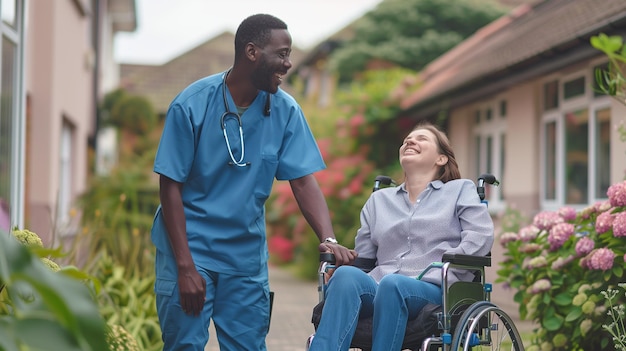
560, 266
119, 339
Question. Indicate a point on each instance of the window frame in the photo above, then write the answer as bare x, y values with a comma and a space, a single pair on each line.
587, 101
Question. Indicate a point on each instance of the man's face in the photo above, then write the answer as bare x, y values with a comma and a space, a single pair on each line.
273, 62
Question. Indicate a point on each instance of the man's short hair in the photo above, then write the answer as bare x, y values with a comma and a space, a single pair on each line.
256, 29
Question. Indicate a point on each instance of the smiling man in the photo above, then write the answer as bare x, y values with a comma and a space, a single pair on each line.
226, 138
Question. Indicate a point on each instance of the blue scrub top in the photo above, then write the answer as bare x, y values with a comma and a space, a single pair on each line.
225, 204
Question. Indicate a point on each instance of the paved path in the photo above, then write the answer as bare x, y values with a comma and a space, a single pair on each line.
294, 300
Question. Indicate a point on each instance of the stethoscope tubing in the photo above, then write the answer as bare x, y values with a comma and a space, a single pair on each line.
236, 116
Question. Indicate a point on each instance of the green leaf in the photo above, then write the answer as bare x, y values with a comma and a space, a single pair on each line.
552, 323
7, 341
618, 270
574, 314
546, 298
563, 299
608, 45
39, 333
55, 297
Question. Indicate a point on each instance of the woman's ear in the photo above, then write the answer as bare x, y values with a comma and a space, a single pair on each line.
442, 160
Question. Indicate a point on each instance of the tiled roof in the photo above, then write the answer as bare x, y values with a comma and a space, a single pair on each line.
515, 42
160, 84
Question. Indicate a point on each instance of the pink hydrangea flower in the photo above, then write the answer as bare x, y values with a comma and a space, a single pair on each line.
529, 248
528, 233
546, 220
602, 206
601, 259
537, 262
617, 194
584, 246
567, 213
604, 222
586, 212
559, 234
540, 285
619, 224
507, 237
561, 262
584, 262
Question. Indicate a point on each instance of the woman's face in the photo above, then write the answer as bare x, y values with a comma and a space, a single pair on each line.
420, 147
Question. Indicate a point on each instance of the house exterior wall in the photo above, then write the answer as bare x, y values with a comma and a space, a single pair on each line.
59, 88
62, 93
523, 148
459, 133
520, 181
618, 147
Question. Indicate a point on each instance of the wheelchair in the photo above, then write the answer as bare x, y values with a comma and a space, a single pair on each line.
466, 319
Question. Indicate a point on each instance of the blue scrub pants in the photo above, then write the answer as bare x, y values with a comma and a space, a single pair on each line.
352, 294
238, 305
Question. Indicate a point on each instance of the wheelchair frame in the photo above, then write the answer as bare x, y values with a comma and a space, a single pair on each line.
477, 314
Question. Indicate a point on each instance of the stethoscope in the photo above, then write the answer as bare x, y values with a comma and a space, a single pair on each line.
237, 117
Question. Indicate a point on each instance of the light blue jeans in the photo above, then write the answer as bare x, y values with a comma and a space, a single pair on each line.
352, 294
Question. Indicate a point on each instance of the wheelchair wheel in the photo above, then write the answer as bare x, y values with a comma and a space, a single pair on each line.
484, 326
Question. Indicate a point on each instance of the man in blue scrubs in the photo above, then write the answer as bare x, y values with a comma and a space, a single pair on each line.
226, 138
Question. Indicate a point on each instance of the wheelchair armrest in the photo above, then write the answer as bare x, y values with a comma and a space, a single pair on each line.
364, 264
327, 257
467, 260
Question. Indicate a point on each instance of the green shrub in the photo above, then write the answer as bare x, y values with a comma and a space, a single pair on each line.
119, 339
559, 266
43, 309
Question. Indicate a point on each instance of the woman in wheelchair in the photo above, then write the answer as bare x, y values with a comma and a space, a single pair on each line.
404, 229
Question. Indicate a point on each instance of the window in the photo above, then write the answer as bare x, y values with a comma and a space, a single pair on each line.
576, 157
7, 126
8, 9
11, 116
550, 161
65, 177
550, 95
576, 138
574, 88
489, 146
602, 139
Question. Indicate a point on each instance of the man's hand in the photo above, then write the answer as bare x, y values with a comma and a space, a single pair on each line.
342, 254
192, 289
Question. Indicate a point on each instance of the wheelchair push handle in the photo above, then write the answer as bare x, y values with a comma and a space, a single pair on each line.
382, 180
485, 178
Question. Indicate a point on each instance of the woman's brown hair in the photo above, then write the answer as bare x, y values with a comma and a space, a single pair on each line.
450, 170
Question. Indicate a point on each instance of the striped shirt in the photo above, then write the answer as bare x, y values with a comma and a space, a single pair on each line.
406, 237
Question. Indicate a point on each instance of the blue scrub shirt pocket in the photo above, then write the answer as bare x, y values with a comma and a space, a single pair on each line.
269, 164
164, 287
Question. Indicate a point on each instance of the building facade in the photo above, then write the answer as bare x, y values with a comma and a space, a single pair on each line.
57, 63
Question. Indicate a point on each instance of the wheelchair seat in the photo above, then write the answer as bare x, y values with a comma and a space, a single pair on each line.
429, 321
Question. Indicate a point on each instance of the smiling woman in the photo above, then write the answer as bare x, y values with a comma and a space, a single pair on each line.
190, 22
